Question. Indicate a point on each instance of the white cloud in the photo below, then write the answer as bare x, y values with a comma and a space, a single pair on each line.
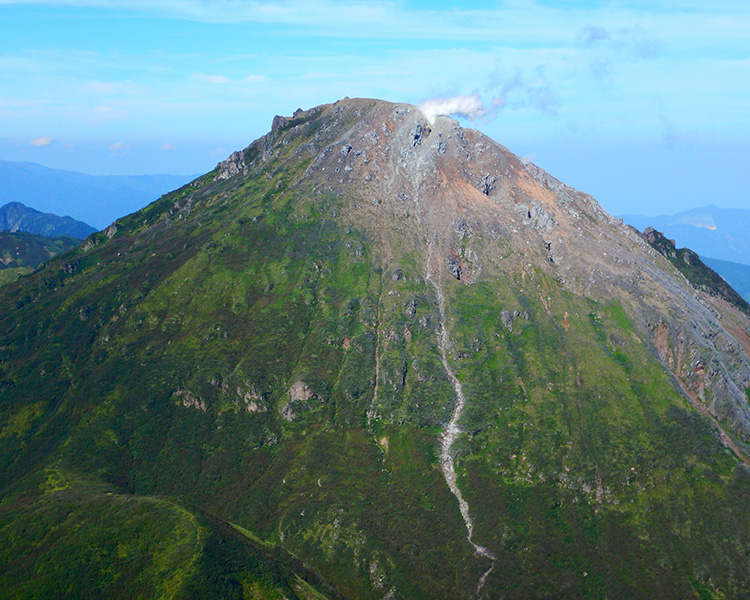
224, 80
166, 146
119, 147
221, 79
524, 21
41, 142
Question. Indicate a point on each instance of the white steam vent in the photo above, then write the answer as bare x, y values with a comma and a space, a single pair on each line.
462, 105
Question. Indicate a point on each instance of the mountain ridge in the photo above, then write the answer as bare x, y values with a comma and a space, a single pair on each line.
16, 217
736, 274
708, 230
285, 341
700, 275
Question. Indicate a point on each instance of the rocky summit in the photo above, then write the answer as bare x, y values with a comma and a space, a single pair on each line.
377, 356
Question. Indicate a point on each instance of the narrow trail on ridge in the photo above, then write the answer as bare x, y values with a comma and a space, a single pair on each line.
452, 430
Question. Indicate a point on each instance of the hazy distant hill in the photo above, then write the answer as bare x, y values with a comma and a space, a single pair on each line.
97, 200
21, 253
735, 274
14, 216
710, 231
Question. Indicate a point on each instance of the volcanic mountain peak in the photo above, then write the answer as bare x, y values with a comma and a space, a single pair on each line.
467, 204
390, 349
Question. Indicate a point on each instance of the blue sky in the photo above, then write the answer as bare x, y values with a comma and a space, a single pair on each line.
644, 105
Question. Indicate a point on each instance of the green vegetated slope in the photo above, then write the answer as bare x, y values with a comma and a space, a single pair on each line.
10, 275
82, 539
588, 473
214, 361
172, 355
21, 253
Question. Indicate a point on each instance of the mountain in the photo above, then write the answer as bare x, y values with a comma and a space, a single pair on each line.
710, 231
28, 238
14, 216
735, 274
695, 270
21, 253
372, 356
98, 200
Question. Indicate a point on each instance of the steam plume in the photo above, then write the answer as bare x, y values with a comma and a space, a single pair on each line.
462, 105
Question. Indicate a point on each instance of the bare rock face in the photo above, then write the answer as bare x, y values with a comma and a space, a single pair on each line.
234, 165
299, 392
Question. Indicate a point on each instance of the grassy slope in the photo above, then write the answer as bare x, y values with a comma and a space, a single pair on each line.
252, 306
587, 471
10, 275
21, 253
160, 364
67, 537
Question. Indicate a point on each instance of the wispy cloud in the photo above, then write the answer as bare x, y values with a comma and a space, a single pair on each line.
224, 80
119, 148
386, 19
41, 142
521, 90
220, 79
604, 49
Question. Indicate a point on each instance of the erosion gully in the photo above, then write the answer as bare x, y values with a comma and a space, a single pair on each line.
452, 430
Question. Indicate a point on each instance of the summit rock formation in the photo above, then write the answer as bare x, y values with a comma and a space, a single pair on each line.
373, 355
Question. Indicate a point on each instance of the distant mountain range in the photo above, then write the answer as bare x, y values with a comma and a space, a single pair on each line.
735, 274
98, 200
710, 231
14, 216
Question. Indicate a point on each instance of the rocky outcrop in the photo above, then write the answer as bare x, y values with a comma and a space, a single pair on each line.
234, 165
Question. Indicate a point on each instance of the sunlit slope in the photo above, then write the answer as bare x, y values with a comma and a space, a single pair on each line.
260, 348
